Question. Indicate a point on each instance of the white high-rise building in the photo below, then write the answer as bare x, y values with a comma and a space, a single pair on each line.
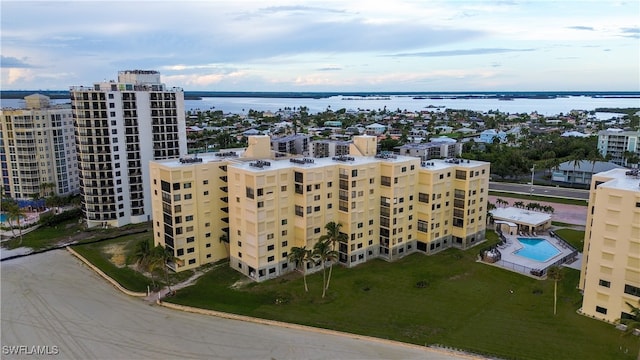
120, 127
38, 150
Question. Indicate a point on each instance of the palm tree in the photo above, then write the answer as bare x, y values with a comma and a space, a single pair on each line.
632, 322
15, 212
576, 158
322, 252
47, 185
142, 253
11, 209
333, 236
301, 256
159, 258
555, 274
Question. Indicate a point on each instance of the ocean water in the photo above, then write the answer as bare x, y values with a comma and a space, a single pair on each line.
547, 107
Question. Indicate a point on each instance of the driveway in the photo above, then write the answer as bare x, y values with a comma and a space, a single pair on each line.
51, 299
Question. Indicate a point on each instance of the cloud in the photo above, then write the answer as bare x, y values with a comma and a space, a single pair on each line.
13, 62
588, 28
329, 68
631, 32
463, 52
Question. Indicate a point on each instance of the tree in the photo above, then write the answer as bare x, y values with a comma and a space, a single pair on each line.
47, 186
15, 212
555, 274
333, 236
576, 158
632, 322
301, 256
158, 259
322, 252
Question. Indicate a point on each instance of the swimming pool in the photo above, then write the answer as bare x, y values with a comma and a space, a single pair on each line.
537, 249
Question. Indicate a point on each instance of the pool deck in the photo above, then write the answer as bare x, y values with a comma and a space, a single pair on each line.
511, 261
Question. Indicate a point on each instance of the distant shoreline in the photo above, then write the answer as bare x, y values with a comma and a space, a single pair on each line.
432, 95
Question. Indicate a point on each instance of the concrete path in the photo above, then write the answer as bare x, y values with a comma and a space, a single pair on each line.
52, 299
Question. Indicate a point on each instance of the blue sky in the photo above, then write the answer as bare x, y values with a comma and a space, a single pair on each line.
368, 45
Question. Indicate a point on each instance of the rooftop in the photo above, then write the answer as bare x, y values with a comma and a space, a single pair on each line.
520, 216
623, 179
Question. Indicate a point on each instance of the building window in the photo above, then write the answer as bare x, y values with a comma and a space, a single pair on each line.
208, 245
271, 258
205, 182
191, 239
285, 243
631, 290
190, 250
316, 230
187, 186
249, 192
423, 226
299, 210
601, 310
270, 247
188, 218
605, 283
284, 222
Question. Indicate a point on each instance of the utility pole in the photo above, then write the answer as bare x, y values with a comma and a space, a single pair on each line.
533, 169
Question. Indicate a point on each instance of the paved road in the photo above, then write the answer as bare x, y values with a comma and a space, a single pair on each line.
540, 190
51, 299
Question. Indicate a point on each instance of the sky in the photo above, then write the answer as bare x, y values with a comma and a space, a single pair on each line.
368, 45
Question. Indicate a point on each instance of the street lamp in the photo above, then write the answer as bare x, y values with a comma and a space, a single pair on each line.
533, 169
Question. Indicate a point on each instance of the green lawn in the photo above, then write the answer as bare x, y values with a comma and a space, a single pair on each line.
535, 198
573, 237
465, 304
101, 255
127, 277
45, 236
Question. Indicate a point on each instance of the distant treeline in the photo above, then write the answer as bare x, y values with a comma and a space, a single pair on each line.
505, 95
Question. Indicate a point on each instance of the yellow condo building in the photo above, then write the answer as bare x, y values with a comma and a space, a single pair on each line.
610, 275
254, 209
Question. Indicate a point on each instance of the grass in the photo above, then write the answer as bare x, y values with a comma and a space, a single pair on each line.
573, 237
44, 237
50, 236
535, 198
126, 276
447, 299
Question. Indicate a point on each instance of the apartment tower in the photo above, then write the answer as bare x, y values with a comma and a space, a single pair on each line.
38, 150
389, 206
120, 127
610, 276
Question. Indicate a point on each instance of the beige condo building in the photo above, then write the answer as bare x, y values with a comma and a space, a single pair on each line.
37, 147
389, 206
610, 275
